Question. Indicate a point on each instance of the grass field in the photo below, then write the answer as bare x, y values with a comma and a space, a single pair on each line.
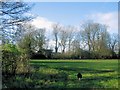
62, 73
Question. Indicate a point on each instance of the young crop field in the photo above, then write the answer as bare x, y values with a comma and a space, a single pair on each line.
63, 73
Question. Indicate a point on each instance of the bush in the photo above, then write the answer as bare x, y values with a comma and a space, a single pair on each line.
13, 59
10, 56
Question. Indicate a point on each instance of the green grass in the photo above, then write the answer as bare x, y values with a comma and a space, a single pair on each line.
96, 73
62, 74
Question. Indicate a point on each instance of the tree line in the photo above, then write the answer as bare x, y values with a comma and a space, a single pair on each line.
92, 40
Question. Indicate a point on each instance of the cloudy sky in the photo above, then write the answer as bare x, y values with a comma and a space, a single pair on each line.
75, 13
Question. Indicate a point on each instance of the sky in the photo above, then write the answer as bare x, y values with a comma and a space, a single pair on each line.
75, 13
71, 0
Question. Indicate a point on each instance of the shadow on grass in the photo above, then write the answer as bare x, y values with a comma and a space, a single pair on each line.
36, 79
37, 66
93, 82
60, 80
83, 70
57, 62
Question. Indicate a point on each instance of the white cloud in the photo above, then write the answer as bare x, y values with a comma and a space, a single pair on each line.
41, 22
109, 19
52, 43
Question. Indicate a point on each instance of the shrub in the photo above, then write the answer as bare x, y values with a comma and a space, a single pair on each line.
14, 60
10, 56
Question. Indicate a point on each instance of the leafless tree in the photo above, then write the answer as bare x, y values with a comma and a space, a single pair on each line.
63, 38
113, 43
71, 35
12, 14
39, 38
56, 30
95, 36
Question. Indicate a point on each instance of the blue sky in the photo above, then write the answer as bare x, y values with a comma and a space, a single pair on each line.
69, 12
71, 0
74, 13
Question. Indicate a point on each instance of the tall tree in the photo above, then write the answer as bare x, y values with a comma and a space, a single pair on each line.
86, 34
113, 41
12, 14
103, 49
56, 29
39, 38
95, 36
26, 40
71, 34
63, 38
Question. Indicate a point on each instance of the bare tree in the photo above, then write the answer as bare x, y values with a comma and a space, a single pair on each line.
71, 34
12, 14
33, 39
86, 34
63, 38
39, 38
95, 36
56, 30
113, 44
